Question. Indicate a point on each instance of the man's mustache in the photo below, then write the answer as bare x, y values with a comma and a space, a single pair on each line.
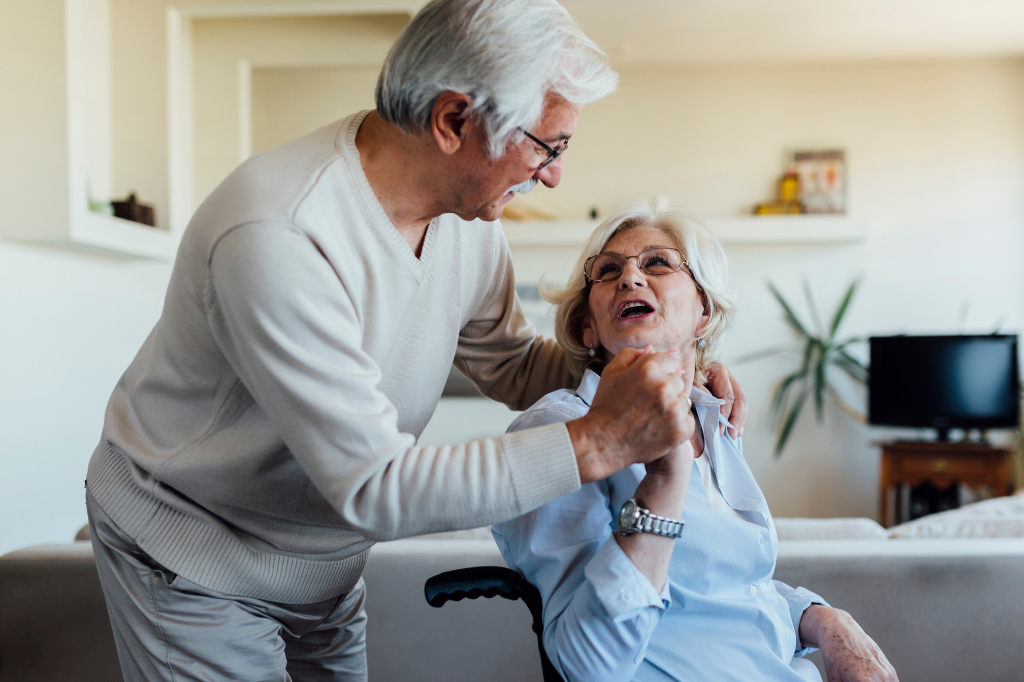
524, 187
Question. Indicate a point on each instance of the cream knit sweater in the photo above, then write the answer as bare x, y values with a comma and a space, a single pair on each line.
265, 434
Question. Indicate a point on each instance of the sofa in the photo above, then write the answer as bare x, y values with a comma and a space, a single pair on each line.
941, 609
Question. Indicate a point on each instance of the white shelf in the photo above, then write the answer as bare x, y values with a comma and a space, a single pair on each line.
86, 228
786, 229
49, 203
789, 229
114, 234
548, 232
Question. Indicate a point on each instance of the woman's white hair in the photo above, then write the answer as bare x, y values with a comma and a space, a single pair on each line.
707, 262
504, 54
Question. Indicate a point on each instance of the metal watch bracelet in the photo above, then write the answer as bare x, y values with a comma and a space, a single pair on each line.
635, 519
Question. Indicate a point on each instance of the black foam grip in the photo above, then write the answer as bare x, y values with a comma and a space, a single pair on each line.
471, 583
487, 582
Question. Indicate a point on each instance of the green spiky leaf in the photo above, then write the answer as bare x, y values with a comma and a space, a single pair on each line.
812, 306
791, 317
790, 421
819, 387
781, 394
854, 367
841, 310
766, 353
817, 353
849, 342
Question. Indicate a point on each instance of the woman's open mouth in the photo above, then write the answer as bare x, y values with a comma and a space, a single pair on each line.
633, 309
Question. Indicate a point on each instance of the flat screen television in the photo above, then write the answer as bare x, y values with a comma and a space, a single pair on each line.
944, 382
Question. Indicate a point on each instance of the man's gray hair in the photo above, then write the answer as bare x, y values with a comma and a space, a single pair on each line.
504, 54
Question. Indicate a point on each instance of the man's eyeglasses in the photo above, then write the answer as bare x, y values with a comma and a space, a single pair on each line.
658, 260
553, 153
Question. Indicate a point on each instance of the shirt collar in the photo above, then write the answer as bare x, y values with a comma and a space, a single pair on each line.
588, 387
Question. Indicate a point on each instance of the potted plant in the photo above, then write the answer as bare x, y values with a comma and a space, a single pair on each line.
820, 350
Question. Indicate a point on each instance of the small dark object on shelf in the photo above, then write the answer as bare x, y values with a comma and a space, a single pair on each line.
130, 209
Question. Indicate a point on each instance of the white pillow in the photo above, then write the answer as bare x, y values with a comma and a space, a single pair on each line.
1000, 517
829, 529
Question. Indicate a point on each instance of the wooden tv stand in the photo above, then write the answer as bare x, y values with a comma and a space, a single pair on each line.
942, 463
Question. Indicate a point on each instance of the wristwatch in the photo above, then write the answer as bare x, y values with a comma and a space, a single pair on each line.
635, 519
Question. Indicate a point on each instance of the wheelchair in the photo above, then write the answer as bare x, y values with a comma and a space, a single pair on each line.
488, 582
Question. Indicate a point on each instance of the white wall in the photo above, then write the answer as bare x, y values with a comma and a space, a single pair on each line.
936, 167
69, 325
337, 52
338, 91
936, 154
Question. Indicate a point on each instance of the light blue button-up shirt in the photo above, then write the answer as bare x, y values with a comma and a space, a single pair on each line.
719, 617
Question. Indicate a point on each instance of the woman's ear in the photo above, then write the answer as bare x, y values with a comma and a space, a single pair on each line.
705, 317
590, 337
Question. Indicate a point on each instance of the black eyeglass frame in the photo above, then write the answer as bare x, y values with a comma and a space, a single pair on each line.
682, 264
552, 152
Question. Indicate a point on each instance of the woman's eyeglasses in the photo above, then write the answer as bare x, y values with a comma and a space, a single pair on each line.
605, 267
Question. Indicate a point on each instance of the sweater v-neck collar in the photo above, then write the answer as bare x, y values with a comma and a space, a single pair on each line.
347, 148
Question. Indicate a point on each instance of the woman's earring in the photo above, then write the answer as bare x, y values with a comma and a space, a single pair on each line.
591, 352
701, 342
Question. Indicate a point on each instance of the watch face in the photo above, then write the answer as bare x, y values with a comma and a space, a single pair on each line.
627, 515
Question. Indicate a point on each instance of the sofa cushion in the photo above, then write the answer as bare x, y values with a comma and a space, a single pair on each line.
481, 533
829, 529
1000, 517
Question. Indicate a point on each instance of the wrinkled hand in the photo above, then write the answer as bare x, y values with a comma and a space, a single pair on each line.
849, 654
639, 414
723, 385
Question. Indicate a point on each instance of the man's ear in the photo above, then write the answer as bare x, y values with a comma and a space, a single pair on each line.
448, 120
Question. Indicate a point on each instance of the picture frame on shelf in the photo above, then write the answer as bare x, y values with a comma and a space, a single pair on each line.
822, 175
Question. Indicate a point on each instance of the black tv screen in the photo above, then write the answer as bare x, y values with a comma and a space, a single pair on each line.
943, 382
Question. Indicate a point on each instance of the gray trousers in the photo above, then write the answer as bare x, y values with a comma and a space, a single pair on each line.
168, 629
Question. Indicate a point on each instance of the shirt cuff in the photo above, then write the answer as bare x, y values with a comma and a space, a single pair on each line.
799, 601
620, 586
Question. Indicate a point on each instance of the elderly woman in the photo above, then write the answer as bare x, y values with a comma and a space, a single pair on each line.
664, 571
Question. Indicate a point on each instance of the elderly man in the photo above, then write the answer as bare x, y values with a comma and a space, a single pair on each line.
264, 437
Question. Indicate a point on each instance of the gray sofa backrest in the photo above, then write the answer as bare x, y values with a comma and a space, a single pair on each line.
942, 610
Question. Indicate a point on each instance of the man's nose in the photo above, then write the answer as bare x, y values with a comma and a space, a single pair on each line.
632, 276
550, 174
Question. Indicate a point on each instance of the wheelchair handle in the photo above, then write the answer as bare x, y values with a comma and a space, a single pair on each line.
471, 583
487, 582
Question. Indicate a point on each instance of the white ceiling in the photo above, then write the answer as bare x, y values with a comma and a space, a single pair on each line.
696, 31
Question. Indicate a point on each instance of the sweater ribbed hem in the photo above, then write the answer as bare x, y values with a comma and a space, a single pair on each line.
543, 464
209, 556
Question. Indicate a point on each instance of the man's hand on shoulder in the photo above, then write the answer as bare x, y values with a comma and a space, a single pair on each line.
723, 385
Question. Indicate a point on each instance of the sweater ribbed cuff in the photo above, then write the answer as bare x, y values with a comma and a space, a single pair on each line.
543, 465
